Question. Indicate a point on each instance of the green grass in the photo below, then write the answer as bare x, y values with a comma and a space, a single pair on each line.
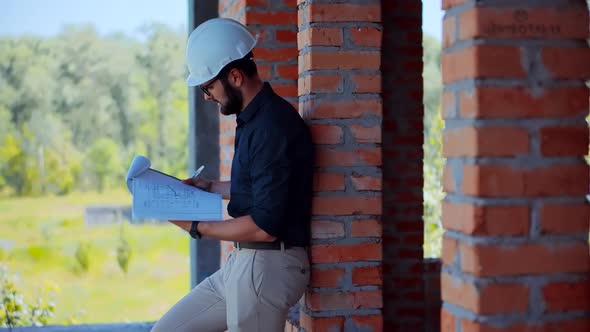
38, 241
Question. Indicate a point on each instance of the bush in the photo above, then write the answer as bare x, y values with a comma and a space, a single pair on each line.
123, 250
14, 311
83, 256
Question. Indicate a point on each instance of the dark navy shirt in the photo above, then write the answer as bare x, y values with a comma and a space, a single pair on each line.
272, 168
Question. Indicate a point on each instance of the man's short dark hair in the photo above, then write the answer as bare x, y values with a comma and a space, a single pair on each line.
246, 65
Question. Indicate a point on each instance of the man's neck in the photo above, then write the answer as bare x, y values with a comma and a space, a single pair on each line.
250, 90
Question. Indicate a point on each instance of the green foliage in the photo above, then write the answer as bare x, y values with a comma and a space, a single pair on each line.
71, 101
157, 277
14, 311
103, 161
433, 159
82, 256
123, 251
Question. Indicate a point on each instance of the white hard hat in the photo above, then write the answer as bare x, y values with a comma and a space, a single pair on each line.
214, 44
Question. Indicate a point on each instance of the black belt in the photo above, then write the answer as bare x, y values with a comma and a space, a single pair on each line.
276, 245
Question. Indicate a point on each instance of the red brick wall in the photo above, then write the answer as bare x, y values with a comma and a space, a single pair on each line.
339, 84
515, 250
275, 21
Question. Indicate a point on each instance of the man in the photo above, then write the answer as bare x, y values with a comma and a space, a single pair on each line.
269, 194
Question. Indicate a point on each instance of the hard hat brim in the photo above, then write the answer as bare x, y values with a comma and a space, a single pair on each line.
194, 81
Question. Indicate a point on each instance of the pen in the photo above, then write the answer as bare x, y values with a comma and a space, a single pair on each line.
198, 171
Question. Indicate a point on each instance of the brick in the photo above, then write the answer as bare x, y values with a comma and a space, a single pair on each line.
505, 181
286, 36
336, 253
545, 23
358, 157
449, 250
318, 83
275, 54
496, 102
319, 12
557, 180
564, 219
448, 321
496, 260
324, 229
287, 71
319, 36
567, 296
368, 275
290, 327
268, 17
366, 228
485, 141
317, 324
263, 35
578, 325
366, 36
489, 299
567, 63
264, 71
481, 61
227, 127
575, 325
339, 60
492, 180
364, 134
366, 83
226, 140
360, 182
341, 109
344, 300
367, 323
326, 277
285, 90
564, 141
446, 4
448, 37
256, 3
231, 9
351, 205
485, 220
326, 134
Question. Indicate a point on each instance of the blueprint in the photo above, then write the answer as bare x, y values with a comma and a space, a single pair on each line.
157, 195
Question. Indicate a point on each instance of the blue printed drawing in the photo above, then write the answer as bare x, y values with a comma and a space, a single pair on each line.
160, 196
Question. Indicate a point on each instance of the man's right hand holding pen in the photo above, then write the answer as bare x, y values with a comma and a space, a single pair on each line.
219, 187
197, 181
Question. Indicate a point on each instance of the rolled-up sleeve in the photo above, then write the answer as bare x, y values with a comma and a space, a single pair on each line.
270, 173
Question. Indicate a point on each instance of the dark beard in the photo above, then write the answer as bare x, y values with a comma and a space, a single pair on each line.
235, 99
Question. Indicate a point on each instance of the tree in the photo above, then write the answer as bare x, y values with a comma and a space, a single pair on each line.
77, 98
103, 161
433, 159
162, 61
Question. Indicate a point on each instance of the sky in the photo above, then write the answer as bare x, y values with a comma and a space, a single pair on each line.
46, 18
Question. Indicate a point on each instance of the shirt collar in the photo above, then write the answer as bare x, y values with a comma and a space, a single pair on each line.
261, 97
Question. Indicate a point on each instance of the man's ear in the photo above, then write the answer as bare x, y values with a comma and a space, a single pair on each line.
236, 78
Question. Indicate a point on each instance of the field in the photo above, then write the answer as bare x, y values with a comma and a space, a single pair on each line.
39, 238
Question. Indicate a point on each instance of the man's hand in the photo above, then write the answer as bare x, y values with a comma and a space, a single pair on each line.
199, 182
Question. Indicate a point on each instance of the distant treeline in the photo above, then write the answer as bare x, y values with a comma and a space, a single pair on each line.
75, 108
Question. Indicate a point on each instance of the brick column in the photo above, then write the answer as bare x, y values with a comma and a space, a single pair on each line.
405, 278
339, 83
515, 250
275, 21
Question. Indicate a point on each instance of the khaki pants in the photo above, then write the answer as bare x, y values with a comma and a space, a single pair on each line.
252, 292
